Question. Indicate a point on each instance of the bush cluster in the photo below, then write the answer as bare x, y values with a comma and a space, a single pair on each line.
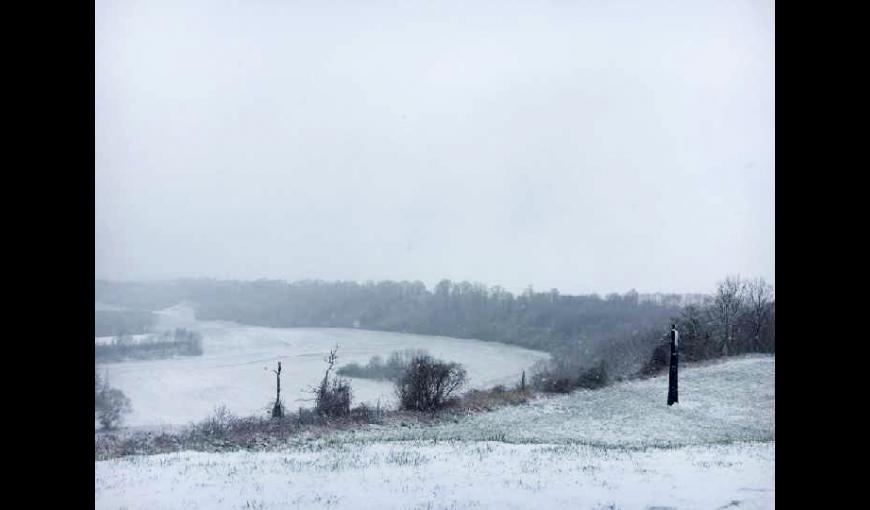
178, 342
428, 384
391, 370
565, 377
110, 404
332, 397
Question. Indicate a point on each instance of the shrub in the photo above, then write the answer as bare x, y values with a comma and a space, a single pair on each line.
366, 414
659, 360
332, 397
110, 404
357, 370
391, 370
307, 417
113, 406
218, 424
564, 377
595, 377
428, 384
553, 383
492, 398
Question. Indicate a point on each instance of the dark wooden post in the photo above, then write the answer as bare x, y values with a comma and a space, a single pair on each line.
672, 375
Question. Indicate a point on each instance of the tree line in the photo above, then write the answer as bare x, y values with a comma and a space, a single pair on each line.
580, 331
378, 369
177, 342
739, 318
539, 320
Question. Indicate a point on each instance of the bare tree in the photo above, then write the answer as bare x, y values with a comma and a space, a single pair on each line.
332, 398
727, 308
759, 296
330, 362
278, 407
694, 333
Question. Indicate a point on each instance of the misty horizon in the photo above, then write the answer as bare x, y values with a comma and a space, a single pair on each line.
589, 147
430, 286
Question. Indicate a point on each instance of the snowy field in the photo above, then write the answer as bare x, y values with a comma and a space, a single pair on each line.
235, 369
722, 401
589, 449
445, 475
107, 340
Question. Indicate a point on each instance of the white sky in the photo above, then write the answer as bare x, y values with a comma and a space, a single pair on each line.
592, 146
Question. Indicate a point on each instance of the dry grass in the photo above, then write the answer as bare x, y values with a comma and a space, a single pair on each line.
493, 398
224, 432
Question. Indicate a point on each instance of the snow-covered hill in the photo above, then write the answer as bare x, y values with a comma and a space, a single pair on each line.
620, 447
720, 401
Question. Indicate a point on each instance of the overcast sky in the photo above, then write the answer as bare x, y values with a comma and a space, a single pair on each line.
591, 146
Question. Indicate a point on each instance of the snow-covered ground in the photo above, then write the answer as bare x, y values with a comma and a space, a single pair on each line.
107, 340
107, 307
445, 475
590, 449
720, 401
235, 369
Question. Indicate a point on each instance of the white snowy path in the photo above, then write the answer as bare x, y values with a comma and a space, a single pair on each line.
549, 457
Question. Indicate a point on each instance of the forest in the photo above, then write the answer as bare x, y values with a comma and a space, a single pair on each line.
123, 322
623, 329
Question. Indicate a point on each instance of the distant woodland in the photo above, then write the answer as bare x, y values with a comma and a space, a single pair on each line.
624, 330
123, 322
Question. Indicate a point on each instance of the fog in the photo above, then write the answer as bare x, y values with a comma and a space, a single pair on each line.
587, 146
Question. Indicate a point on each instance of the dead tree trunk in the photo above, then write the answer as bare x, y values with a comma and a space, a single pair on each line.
278, 408
278, 382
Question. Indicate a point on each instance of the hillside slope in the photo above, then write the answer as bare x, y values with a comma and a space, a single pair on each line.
720, 401
714, 450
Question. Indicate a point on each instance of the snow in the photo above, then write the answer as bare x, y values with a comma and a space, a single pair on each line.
107, 307
619, 447
107, 340
722, 401
444, 475
235, 369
